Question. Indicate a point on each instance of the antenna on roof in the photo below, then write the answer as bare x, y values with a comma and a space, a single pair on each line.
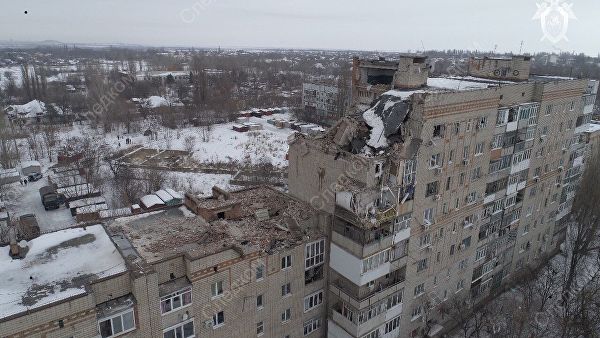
521, 49
423, 45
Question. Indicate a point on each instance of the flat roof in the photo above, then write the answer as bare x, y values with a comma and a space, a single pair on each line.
160, 235
57, 266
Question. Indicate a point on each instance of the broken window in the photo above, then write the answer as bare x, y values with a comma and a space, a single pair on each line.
439, 130
432, 189
435, 161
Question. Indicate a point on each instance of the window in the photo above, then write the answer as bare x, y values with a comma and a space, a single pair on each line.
417, 311
419, 289
217, 289
286, 315
181, 330
456, 128
482, 122
312, 301
481, 252
395, 299
311, 326
471, 197
476, 174
260, 329
218, 319
466, 152
460, 285
117, 324
176, 300
428, 216
314, 254
466, 243
410, 169
479, 148
439, 130
259, 302
372, 334
498, 141
376, 260
424, 240
448, 183
530, 134
422, 265
435, 161
260, 272
432, 189
502, 117
392, 325
286, 262
286, 289
401, 223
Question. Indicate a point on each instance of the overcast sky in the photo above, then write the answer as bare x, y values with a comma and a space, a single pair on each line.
390, 25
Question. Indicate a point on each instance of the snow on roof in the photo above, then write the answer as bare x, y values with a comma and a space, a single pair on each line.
593, 128
57, 266
156, 101
163, 195
30, 109
377, 138
455, 83
150, 201
174, 193
90, 209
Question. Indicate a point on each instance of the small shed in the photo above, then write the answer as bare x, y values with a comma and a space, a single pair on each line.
253, 126
151, 202
31, 167
136, 209
8, 176
169, 200
240, 128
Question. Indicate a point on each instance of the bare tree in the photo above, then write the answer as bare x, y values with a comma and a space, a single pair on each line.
189, 143
582, 232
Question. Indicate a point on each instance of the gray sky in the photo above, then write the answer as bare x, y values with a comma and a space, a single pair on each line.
392, 25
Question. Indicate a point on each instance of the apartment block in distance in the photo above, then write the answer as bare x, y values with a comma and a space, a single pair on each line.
322, 102
249, 263
440, 191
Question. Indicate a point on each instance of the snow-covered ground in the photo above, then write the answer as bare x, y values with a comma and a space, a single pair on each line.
26, 200
224, 145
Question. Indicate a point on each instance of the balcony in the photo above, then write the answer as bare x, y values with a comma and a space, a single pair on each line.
358, 328
384, 216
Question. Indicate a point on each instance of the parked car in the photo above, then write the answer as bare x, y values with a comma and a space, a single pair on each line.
34, 177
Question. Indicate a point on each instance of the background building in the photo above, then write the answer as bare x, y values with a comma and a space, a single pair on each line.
323, 103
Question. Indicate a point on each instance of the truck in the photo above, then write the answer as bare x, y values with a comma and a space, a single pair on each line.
50, 199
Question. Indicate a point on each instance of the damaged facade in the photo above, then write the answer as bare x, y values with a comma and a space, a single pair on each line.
371, 78
436, 193
258, 270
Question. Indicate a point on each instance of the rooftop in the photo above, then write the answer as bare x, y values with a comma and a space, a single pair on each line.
56, 266
164, 234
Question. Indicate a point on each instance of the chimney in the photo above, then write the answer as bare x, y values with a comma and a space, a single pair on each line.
14, 247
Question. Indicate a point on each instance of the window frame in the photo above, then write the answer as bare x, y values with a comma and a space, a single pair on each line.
215, 318
181, 325
110, 319
317, 299
177, 294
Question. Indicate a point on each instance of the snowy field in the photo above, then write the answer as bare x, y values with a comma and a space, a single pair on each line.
224, 145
